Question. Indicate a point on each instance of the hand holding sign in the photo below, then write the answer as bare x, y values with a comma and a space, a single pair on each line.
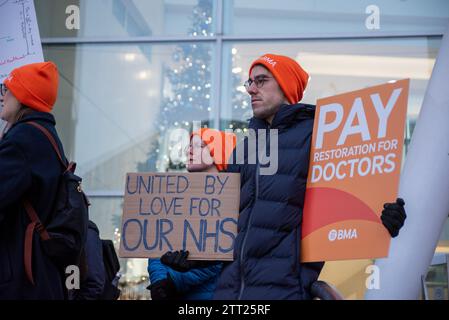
393, 216
178, 261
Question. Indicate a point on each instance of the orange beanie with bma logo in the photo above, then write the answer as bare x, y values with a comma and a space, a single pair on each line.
35, 85
290, 76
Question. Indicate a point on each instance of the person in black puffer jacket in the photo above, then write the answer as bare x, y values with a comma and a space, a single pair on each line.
267, 247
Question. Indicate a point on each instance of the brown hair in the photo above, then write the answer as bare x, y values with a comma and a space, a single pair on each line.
23, 111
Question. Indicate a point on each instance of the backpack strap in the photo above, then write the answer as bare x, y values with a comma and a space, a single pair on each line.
36, 223
51, 139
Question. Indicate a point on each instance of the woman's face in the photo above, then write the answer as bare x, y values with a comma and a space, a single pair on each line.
198, 156
11, 107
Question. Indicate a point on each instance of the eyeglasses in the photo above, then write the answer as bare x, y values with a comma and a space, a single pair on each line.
258, 81
3, 89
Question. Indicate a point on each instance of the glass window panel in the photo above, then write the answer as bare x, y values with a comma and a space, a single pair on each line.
271, 17
445, 233
127, 18
118, 105
335, 66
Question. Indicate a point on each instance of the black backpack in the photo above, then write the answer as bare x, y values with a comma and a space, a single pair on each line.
64, 237
111, 267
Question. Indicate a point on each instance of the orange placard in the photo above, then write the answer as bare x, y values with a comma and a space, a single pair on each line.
355, 162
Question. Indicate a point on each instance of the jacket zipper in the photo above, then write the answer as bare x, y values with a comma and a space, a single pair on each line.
242, 276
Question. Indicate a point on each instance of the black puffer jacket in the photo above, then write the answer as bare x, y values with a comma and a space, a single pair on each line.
267, 249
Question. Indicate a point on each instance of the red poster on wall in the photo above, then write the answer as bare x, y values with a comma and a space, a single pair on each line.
355, 163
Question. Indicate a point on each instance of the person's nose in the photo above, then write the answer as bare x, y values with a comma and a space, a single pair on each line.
252, 89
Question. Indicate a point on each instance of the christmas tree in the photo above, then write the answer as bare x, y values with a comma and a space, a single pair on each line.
187, 92
188, 84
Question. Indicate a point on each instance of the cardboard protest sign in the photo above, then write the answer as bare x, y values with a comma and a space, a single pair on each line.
355, 164
180, 211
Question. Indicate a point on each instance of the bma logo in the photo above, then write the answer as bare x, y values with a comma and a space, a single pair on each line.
342, 234
269, 60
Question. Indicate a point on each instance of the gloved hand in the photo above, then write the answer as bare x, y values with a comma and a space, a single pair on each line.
163, 290
393, 216
177, 260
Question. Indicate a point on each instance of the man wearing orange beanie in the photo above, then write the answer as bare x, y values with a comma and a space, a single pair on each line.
266, 250
267, 247
275, 81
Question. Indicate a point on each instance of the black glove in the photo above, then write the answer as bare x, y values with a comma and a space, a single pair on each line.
178, 261
163, 290
393, 216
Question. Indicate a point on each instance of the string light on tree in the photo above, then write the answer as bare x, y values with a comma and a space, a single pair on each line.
187, 80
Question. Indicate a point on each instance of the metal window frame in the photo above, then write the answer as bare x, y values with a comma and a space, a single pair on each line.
236, 38
219, 39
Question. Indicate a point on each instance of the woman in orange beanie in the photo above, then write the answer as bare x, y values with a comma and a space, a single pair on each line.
173, 276
210, 150
29, 168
